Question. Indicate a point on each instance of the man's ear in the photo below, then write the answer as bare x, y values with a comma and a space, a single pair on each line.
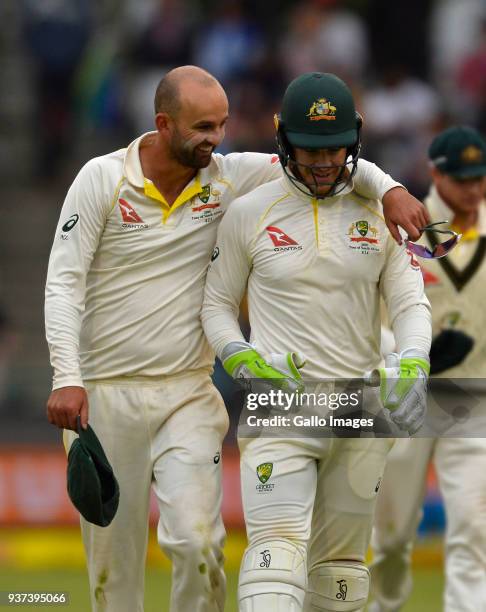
162, 121
435, 173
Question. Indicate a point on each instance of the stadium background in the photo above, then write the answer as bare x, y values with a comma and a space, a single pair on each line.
78, 78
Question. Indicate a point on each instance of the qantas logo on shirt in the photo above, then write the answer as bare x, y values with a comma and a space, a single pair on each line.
281, 241
429, 278
131, 219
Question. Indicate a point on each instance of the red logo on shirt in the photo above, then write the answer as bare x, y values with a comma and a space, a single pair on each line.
274, 159
429, 278
205, 207
128, 212
413, 260
280, 238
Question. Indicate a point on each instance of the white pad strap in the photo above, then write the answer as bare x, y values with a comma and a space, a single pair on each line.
338, 586
275, 567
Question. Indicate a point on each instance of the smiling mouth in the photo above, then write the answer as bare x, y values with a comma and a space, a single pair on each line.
323, 177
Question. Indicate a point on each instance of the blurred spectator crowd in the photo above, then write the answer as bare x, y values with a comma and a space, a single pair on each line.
90, 68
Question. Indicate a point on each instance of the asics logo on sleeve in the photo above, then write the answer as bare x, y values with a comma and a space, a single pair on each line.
70, 223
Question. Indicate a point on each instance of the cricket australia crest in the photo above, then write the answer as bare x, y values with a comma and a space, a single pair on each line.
363, 237
205, 193
264, 471
210, 209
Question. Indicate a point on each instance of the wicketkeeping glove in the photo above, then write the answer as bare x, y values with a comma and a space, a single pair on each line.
403, 387
242, 361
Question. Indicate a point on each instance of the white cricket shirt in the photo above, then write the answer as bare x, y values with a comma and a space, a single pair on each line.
456, 287
315, 271
126, 274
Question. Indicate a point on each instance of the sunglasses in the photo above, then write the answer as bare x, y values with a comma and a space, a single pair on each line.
439, 249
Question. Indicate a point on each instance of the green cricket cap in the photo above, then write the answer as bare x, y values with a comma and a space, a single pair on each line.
459, 151
318, 112
91, 483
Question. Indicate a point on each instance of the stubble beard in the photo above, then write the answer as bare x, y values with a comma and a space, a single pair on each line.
187, 154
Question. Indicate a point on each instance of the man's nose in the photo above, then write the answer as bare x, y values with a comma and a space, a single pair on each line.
324, 158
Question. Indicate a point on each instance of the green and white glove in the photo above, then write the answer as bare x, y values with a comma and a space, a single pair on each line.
242, 361
403, 387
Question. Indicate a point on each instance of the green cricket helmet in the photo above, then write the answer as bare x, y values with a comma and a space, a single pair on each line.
318, 112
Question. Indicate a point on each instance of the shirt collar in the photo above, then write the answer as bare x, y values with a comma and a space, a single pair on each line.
132, 167
439, 211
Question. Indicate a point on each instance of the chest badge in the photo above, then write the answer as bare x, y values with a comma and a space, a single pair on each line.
205, 193
210, 209
363, 237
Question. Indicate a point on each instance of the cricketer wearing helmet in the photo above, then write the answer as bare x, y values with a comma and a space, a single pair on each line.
123, 298
456, 288
316, 258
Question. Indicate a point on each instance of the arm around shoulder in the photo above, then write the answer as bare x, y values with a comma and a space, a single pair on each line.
399, 206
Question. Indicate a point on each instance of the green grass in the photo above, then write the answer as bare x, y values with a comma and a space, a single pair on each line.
426, 596
25, 553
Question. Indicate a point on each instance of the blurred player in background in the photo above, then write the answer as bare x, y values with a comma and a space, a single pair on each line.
123, 297
316, 257
456, 288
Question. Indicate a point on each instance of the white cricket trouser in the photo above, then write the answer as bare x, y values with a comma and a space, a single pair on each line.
320, 495
166, 432
461, 468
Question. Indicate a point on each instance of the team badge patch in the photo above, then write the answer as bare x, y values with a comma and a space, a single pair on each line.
205, 193
210, 209
362, 227
264, 471
322, 109
363, 237
471, 155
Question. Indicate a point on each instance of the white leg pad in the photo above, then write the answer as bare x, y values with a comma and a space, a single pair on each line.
273, 577
338, 586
